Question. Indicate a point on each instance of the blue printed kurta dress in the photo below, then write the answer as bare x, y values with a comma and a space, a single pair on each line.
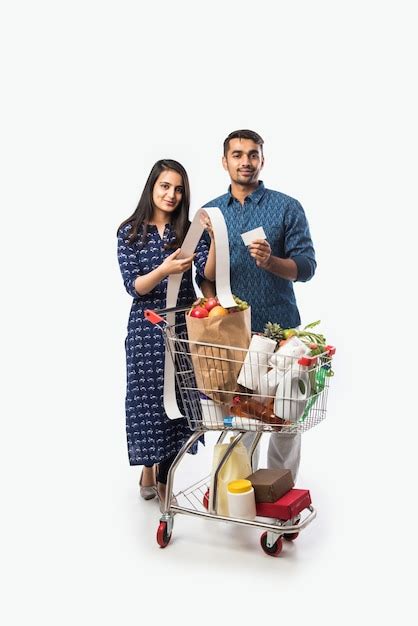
152, 436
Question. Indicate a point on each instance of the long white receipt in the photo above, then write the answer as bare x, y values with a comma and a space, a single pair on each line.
223, 288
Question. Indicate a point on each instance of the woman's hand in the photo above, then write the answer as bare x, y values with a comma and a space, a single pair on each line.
174, 265
260, 250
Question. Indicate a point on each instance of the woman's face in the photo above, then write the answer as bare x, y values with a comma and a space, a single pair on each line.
168, 191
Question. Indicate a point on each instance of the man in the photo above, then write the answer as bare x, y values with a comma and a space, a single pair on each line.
263, 274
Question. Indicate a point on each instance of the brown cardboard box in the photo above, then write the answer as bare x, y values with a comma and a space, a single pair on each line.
271, 484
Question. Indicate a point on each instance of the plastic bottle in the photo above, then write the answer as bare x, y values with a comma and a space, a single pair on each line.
245, 423
241, 499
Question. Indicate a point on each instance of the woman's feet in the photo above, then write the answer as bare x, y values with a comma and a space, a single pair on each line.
148, 483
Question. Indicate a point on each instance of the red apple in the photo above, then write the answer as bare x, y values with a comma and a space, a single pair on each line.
211, 303
199, 312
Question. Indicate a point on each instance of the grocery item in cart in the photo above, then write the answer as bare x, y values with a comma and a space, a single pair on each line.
271, 484
268, 384
292, 393
241, 499
287, 507
286, 354
279, 362
213, 413
256, 361
254, 409
215, 344
237, 466
245, 423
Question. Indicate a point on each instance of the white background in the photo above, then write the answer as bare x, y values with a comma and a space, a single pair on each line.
93, 94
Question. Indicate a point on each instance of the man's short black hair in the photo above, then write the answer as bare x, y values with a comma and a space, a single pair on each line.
243, 134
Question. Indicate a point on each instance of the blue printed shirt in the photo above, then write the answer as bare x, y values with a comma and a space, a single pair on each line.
283, 219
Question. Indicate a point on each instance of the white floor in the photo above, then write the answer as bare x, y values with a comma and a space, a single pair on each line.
82, 548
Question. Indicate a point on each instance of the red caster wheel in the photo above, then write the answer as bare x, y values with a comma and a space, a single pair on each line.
163, 538
273, 550
206, 499
291, 536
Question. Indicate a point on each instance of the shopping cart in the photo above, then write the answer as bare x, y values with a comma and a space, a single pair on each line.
203, 375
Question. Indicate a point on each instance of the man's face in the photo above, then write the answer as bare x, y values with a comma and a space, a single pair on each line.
243, 161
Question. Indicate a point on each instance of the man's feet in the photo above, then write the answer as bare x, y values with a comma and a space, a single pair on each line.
147, 483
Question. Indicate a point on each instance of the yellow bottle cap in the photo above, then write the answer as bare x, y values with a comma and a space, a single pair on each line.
239, 486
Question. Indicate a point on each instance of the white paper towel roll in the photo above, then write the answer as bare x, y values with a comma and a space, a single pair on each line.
286, 355
292, 393
268, 384
255, 365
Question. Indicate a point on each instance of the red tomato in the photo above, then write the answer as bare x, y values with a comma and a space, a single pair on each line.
211, 303
199, 312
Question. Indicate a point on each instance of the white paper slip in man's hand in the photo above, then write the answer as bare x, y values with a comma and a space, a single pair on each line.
251, 235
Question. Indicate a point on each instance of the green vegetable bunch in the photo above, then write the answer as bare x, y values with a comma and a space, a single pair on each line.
277, 333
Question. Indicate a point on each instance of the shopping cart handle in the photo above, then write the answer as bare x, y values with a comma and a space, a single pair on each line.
330, 350
153, 317
307, 361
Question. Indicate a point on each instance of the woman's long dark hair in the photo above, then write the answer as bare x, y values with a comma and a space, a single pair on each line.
143, 212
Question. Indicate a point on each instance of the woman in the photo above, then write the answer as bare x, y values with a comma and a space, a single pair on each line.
148, 251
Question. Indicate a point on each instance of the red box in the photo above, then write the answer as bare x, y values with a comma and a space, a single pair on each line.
286, 507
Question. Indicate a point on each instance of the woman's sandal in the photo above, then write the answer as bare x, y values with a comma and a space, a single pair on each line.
147, 493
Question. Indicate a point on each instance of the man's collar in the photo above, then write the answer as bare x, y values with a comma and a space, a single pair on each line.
255, 196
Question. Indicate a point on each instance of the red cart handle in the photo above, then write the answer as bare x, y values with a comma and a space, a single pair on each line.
153, 317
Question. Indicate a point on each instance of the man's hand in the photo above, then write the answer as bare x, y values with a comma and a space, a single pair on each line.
206, 223
260, 250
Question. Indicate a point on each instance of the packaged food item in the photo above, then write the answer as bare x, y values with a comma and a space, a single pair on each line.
271, 484
241, 499
287, 507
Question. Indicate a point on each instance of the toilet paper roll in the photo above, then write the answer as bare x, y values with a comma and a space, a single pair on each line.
268, 384
292, 394
285, 356
256, 362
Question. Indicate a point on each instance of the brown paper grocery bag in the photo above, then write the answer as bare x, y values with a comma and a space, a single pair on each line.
218, 364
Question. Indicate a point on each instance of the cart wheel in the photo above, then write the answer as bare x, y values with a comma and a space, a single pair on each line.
273, 550
291, 536
206, 499
163, 538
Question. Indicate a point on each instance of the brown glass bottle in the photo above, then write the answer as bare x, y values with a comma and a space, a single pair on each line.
256, 410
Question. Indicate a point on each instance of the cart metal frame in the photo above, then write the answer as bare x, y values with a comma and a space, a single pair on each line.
180, 350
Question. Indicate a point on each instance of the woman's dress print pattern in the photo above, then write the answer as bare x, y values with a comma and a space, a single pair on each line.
151, 436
